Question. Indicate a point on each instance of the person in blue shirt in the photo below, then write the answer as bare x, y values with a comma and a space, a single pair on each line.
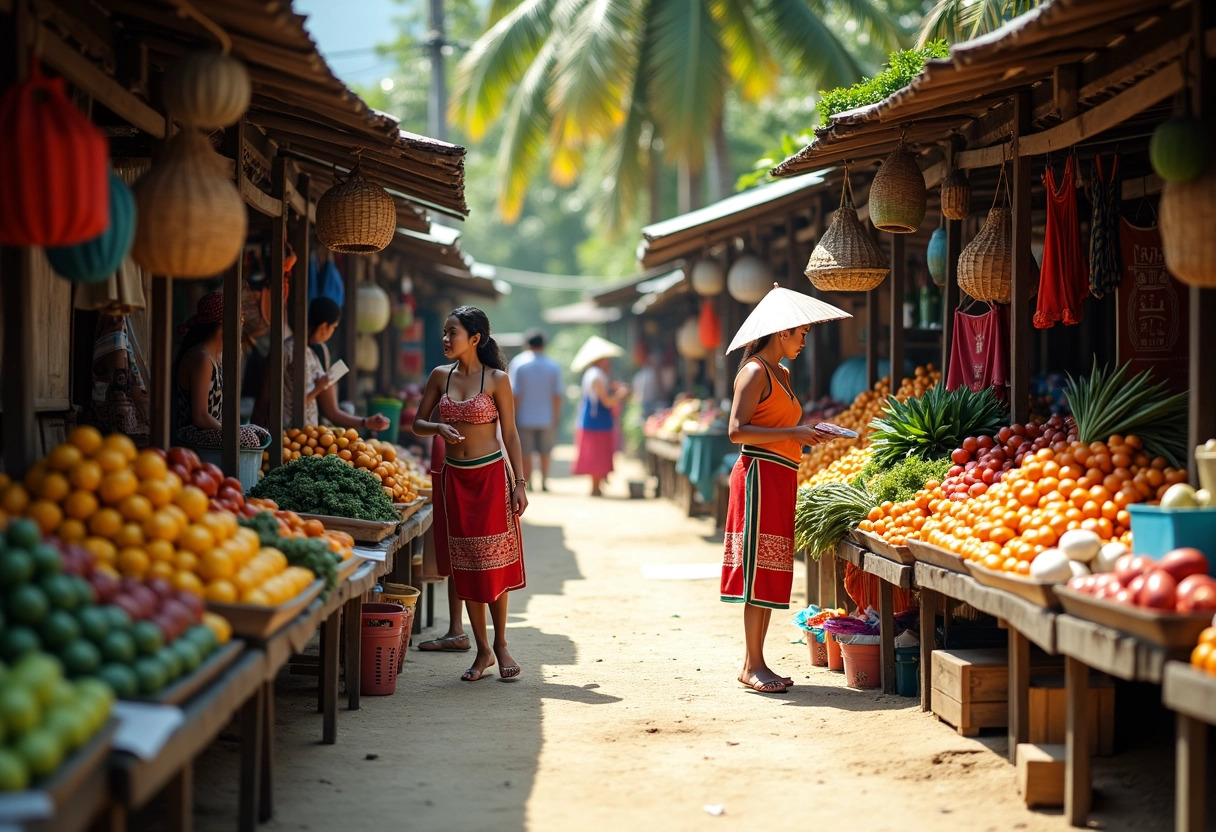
537, 381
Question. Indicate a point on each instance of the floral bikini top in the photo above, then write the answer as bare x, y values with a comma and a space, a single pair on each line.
479, 410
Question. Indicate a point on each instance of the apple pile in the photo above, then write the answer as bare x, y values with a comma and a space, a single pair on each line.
982, 461
1179, 582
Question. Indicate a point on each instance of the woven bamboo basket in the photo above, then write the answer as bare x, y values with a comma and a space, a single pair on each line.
1188, 216
985, 266
191, 218
897, 195
956, 196
847, 259
356, 217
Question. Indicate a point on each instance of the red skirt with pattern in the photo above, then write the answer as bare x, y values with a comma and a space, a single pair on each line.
758, 561
477, 536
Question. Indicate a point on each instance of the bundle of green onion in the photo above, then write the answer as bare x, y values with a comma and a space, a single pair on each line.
826, 513
1108, 403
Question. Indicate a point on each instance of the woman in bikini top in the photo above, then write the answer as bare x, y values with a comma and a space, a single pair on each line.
479, 410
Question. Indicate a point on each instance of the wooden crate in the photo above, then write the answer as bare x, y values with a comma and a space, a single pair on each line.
1049, 713
1041, 774
971, 689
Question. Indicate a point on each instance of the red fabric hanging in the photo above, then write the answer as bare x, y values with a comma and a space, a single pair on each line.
709, 327
1064, 279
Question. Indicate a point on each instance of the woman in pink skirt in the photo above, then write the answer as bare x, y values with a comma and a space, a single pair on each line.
595, 431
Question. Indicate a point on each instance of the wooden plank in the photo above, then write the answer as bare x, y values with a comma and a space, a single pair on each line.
1077, 783
1023, 279
301, 233
850, 553
1041, 772
1019, 691
20, 424
1189, 691
983, 157
230, 418
259, 201
1029, 619
891, 572
1190, 780
929, 601
274, 363
1108, 650
872, 325
827, 582
886, 618
351, 279
899, 280
160, 361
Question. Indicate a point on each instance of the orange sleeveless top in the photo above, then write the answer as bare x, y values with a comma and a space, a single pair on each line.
779, 410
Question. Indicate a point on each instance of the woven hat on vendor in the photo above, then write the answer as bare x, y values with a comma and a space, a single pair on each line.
780, 310
594, 349
210, 311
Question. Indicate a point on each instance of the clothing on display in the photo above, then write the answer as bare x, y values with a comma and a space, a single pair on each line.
1105, 268
1064, 278
979, 351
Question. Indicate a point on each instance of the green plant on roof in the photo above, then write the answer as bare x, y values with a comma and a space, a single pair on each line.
901, 68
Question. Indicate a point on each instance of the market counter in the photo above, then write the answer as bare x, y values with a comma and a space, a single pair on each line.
700, 459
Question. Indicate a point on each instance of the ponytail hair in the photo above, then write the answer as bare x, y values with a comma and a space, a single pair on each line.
476, 322
754, 347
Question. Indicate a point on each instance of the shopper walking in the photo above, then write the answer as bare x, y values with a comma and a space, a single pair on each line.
595, 437
537, 381
758, 558
478, 500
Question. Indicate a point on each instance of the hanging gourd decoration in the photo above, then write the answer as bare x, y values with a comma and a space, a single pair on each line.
956, 196
1180, 149
192, 219
688, 340
367, 354
356, 217
749, 279
897, 194
99, 258
1188, 217
54, 170
935, 256
374, 309
207, 90
709, 326
708, 277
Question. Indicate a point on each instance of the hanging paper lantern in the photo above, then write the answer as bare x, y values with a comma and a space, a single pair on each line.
54, 171
709, 327
99, 258
688, 340
935, 256
708, 277
749, 279
192, 219
207, 90
367, 354
374, 309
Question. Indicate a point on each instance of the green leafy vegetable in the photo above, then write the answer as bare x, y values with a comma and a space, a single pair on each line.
934, 424
902, 481
309, 552
824, 514
326, 485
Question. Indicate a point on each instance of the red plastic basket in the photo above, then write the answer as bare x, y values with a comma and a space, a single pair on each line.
380, 648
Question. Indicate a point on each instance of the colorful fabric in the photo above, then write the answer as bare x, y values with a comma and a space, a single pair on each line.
593, 452
758, 556
779, 409
1105, 266
477, 536
479, 410
979, 351
1064, 279
593, 414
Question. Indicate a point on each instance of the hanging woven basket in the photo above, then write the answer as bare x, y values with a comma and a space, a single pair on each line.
356, 217
897, 195
956, 196
985, 267
846, 259
1188, 217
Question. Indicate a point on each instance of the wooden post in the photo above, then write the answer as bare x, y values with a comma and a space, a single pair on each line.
300, 237
350, 314
274, 365
161, 363
950, 292
234, 284
826, 574
1201, 420
886, 619
1190, 782
899, 280
1023, 277
1077, 782
929, 600
1019, 692
812, 579
872, 339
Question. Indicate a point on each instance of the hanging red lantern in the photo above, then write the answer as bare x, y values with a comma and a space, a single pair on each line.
54, 172
709, 327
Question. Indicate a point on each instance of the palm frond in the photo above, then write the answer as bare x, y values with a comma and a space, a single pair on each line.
500, 9
959, 20
686, 86
809, 43
871, 17
494, 65
527, 127
751, 62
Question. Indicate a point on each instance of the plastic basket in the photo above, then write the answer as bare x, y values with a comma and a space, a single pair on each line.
380, 648
861, 665
1158, 530
407, 596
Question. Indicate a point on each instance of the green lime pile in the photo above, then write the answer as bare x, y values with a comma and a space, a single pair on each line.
42, 609
44, 717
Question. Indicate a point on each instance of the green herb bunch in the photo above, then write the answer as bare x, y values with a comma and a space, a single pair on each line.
933, 425
1109, 403
326, 485
825, 513
904, 479
901, 68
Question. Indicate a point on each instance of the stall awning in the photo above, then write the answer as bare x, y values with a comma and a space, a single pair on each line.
583, 312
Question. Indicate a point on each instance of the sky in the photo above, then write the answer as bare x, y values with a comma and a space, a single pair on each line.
346, 31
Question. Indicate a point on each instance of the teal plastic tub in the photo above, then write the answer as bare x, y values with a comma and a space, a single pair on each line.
907, 671
1157, 530
390, 408
249, 464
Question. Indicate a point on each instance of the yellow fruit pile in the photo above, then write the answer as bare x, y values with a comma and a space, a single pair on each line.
134, 514
842, 470
865, 408
267, 580
408, 474
897, 523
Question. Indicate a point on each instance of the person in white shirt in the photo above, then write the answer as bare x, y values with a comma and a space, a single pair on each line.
537, 381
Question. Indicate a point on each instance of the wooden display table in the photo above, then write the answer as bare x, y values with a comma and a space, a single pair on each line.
661, 457
71, 799
1191, 694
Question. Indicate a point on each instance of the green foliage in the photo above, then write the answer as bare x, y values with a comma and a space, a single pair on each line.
959, 20
326, 485
902, 481
934, 424
901, 68
824, 514
790, 144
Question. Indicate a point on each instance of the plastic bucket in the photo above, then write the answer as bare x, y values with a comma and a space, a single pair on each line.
390, 408
861, 665
407, 596
249, 463
380, 648
819, 651
907, 671
835, 662
637, 489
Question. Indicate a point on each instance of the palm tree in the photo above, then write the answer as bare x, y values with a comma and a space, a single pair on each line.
647, 78
959, 20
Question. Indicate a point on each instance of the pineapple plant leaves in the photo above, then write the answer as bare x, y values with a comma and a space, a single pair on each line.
933, 425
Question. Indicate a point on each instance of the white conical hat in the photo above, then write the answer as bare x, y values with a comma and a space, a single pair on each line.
783, 309
592, 351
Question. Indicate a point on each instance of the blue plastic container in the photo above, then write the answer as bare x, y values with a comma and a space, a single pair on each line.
907, 671
1157, 530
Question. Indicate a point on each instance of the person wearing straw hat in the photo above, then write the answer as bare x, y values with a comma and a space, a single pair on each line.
595, 430
758, 558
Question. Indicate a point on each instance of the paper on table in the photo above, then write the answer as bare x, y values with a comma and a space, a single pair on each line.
144, 728
20, 808
336, 371
370, 553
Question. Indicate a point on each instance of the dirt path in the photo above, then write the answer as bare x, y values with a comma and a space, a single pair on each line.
627, 715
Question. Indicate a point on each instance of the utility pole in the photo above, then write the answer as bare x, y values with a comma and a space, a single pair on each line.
438, 103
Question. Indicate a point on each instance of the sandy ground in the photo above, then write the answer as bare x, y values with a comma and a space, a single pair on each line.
628, 714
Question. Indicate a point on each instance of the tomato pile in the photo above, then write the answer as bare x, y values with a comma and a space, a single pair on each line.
982, 461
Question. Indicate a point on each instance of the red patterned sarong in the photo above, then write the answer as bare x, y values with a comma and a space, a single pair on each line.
477, 537
758, 563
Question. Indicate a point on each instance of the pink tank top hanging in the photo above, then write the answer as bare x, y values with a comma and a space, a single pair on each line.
979, 351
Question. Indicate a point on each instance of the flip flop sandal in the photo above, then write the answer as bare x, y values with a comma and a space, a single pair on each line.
508, 672
458, 644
